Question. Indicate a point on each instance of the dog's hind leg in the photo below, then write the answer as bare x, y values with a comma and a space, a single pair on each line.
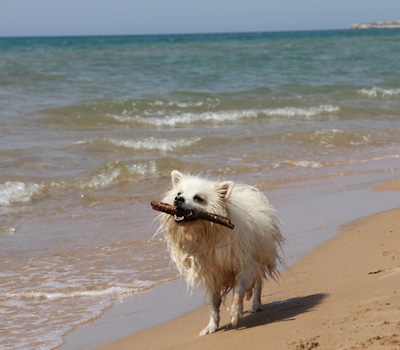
215, 302
237, 304
256, 304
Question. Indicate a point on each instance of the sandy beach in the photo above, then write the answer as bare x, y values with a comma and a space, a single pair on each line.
342, 295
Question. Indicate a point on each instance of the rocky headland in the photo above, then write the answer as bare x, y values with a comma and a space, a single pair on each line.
376, 25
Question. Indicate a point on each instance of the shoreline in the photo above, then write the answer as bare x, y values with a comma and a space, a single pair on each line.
134, 314
181, 329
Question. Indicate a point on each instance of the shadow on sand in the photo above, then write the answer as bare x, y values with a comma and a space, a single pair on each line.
277, 311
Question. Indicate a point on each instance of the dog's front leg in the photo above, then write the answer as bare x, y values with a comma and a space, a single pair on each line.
215, 302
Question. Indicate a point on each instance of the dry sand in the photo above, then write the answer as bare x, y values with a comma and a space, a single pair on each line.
343, 295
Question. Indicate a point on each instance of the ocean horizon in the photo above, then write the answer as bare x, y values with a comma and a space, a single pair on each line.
174, 34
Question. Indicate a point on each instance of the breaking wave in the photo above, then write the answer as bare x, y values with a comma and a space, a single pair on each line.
18, 192
145, 144
108, 175
230, 116
377, 92
55, 295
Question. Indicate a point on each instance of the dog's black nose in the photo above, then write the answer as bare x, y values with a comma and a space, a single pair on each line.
178, 201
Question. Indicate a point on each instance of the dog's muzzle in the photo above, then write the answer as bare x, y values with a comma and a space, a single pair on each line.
183, 214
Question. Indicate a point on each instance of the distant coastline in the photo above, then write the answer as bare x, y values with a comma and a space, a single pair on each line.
381, 24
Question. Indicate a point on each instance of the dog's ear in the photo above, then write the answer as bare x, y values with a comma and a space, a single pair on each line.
176, 177
224, 188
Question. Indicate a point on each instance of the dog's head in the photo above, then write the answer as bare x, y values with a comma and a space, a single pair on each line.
193, 192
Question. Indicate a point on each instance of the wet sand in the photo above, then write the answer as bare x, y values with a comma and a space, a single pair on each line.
345, 294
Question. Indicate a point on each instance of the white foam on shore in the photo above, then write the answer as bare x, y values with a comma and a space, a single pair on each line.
112, 291
88, 306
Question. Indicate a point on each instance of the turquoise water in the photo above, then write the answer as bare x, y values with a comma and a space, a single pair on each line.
90, 128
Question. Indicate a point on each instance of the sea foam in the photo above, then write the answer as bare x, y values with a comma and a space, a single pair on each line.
217, 117
153, 143
138, 285
12, 192
377, 92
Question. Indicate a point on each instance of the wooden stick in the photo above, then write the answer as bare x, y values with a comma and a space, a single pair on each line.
191, 214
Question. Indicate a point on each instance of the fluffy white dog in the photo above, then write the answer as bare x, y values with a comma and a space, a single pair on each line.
220, 258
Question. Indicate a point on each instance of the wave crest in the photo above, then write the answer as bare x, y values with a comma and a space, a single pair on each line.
12, 192
145, 144
216, 117
377, 92
137, 286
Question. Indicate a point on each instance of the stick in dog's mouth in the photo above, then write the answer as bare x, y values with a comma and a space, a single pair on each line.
184, 215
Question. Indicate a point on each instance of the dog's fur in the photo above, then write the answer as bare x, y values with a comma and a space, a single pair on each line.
215, 256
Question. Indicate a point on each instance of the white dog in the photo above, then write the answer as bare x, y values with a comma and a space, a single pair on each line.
220, 258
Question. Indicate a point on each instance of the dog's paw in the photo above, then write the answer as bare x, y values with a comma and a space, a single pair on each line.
208, 330
235, 318
253, 310
255, 307
236, 314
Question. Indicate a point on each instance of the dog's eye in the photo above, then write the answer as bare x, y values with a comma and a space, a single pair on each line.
179, 194
198, 199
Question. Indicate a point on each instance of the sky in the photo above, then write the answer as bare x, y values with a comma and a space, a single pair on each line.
136, 17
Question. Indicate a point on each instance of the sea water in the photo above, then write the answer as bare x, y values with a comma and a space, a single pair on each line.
91, 127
